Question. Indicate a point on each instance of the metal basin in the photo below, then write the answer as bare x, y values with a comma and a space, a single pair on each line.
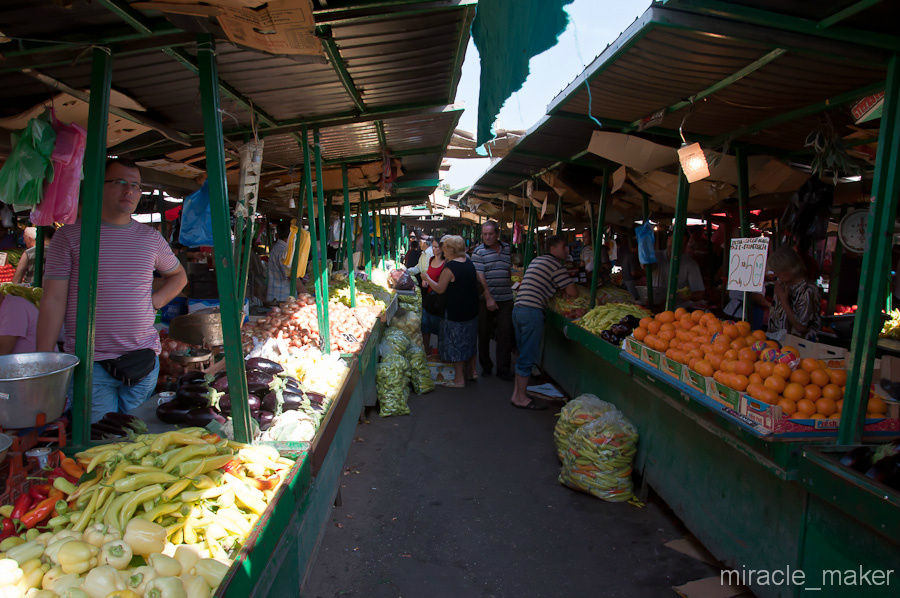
33, 383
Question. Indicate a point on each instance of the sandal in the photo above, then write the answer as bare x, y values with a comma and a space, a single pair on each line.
531, 406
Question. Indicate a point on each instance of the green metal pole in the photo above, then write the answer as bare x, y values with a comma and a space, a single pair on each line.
648, 268
244, 272
325, 231
89, 255
677, 239
529, 238
315, 248
322, 297
876, 262
39, 257
399, 234
598, 240
348, 236
225, 273
367, 234
834, 280
559, 216
744, 212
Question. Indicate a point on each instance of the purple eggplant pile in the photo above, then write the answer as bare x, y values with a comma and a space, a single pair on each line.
198, 401
117, 425
881, 464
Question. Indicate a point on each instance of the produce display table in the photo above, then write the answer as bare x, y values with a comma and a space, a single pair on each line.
757, 502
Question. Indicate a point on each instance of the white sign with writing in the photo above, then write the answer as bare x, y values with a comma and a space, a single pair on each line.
747, 264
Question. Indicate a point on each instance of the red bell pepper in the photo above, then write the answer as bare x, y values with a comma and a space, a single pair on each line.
21, 506
60, 473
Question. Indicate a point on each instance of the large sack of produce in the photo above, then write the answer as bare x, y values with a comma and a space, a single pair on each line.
393, 342
401, 280
419, 372
577, 412
410, 324
599, 458
392, 384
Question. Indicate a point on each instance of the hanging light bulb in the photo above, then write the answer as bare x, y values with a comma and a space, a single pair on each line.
693, 162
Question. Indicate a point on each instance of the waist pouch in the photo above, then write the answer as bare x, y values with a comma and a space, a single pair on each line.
131, 367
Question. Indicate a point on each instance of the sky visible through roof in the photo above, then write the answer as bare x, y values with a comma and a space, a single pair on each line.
593, 24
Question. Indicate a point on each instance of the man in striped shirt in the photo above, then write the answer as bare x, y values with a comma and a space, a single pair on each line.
126, 301
493, 265
545, 275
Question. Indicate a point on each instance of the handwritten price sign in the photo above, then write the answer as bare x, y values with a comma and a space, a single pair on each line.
747, 264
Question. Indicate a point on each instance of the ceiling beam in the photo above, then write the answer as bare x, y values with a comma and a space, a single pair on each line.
140, 23
374, 157
716, 87
339, 66
380, 11
846, 13
382, 138
460, 54
168, 132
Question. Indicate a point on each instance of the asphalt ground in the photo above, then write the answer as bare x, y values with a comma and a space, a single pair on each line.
461, 499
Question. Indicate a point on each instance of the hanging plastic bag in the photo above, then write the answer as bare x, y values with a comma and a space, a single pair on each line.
60, 202
28, 166
518, 234
304, 249
646, 242
196, 219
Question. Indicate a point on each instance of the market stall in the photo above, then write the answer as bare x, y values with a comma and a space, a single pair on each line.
751, 467
237, 519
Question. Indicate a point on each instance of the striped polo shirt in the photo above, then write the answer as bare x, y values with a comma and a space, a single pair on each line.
496, 267
545, 275
128, 256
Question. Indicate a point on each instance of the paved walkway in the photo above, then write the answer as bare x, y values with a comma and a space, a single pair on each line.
460, 500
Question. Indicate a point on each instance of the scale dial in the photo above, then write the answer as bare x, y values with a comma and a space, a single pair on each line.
852, 230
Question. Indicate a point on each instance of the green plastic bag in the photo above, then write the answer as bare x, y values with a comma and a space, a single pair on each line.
23, 175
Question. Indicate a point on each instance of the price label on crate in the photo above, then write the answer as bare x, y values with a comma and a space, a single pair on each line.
349, 337
747, 264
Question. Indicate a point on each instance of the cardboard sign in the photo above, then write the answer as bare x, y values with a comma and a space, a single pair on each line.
747, 264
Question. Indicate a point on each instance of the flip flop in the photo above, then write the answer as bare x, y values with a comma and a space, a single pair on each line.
532, 406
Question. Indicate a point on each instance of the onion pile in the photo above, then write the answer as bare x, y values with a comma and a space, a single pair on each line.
296, 322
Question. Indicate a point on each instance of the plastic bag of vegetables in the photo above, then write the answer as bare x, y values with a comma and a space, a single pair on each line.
599, 458
577, 412
392, 383
419, 374
394, 341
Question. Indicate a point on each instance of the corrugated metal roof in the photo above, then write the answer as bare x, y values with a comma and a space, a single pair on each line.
669, 56
399, 56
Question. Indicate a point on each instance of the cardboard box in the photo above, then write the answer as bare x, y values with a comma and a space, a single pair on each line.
723, 394
443, 374
833, 356
694, 380
772, 420
671, 367
633, 346
651, 357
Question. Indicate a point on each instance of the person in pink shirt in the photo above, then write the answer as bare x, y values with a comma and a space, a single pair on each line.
126, 345
18, 325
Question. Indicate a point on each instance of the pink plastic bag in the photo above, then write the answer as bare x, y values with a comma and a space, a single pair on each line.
60, 202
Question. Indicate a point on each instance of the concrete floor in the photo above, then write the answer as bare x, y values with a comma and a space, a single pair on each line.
460, 499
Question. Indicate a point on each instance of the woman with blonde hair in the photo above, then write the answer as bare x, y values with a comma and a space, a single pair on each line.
459, 328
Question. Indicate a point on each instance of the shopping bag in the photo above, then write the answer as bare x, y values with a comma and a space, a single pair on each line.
196, 219
28, 166
60, 202
646, 242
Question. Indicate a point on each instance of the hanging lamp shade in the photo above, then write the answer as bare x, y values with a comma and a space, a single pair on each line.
693, 162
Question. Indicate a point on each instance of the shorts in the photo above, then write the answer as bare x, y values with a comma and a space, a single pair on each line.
528, 324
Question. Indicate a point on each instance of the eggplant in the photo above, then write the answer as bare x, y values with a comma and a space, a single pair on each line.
859, 459
107, 428
200, 417
291, 382
254, 402
225, 404
259, 377
269, 402
194, 377
263, 365
292, 401
220, 383
883, 469
172, 413
193, 396
316, 398
258, 389
265, 420
620, 330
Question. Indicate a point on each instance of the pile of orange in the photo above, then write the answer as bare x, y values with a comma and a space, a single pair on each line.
725, 351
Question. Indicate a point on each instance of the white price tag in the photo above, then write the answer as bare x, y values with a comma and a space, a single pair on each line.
747, 264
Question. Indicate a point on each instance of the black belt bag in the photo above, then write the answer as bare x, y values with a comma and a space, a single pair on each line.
131, 367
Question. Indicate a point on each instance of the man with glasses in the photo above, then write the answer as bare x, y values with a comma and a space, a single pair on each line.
126, 345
